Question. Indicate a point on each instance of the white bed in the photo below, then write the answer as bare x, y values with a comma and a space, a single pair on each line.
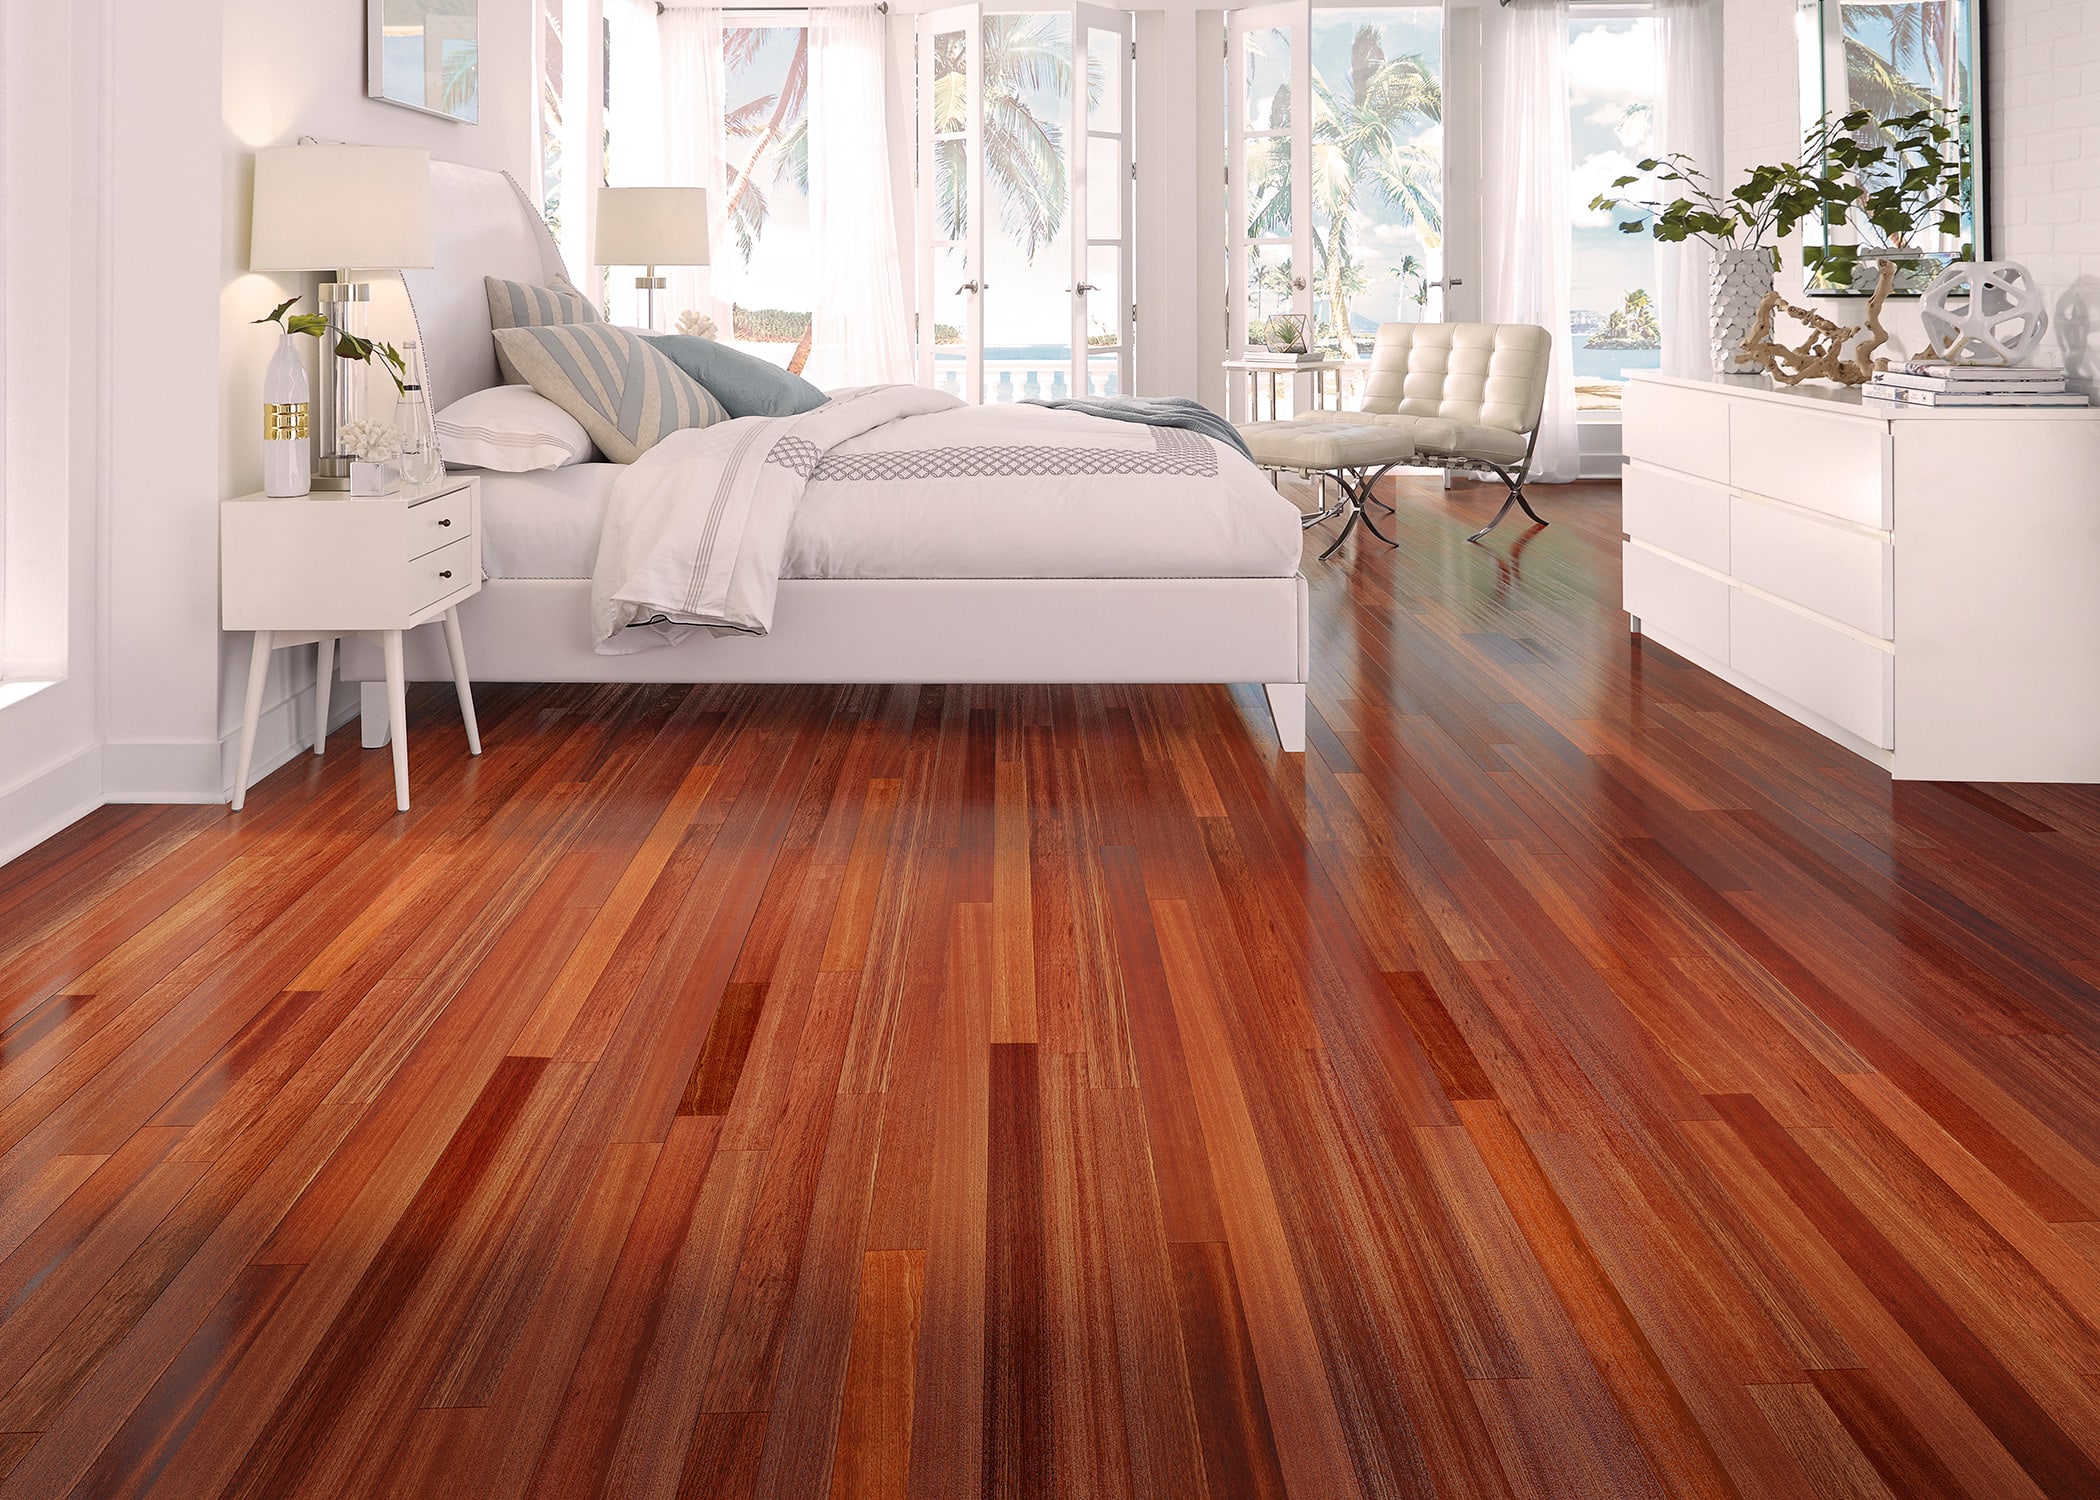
935, 583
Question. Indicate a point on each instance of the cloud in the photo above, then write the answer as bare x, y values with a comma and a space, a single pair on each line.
1611, 63
1594, 175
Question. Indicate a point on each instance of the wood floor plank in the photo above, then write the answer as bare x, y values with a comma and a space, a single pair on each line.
1568, 1077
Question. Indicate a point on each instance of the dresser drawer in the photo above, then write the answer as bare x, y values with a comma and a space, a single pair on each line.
435, 575
1677, 513
1826, 566
1836, 465
1683, 605
1824, 669
1673, 428
439, 521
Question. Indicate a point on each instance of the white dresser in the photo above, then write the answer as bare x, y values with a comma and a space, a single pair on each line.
1922, 586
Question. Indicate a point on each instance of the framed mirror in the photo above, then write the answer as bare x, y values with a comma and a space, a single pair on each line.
425, 55
1920, 61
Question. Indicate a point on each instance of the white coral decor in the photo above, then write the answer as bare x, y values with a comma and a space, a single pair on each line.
1985, 314
372, 442
698, 324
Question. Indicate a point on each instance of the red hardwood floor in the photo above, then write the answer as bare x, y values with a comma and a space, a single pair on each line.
1568, 1079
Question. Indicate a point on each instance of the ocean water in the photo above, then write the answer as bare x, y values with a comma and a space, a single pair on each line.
1609, 364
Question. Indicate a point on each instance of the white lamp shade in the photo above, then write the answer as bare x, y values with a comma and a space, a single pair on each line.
320, 208
651, 226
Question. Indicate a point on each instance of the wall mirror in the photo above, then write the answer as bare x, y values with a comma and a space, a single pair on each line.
1894, 59
425, 55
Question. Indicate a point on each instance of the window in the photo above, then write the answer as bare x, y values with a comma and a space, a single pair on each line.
1612, 276
767, 272
1378, 172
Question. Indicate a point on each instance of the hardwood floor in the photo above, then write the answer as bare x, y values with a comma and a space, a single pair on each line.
1568, 1079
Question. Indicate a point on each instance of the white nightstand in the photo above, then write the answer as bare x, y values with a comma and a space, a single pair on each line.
300, 572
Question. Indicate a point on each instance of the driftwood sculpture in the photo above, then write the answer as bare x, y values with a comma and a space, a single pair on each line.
1821, 355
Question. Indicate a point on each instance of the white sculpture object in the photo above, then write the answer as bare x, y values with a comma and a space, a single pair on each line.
1988, 313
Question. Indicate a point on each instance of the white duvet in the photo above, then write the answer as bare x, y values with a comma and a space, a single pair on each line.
900, 481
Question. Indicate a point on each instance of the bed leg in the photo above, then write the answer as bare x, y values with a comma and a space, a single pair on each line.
1287, 706
372, 716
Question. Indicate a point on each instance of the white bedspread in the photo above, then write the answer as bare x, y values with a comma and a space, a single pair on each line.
697, 526
898, 481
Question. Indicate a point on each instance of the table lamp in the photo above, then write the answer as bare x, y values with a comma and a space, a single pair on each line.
339, 209
651, 227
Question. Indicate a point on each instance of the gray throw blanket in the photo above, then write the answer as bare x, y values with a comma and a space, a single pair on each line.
1156, 411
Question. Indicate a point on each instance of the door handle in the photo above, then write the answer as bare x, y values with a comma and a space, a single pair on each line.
971, 286
1085, 286
1297, 283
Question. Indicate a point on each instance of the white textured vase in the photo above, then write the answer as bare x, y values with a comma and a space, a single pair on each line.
287, 452
1740, 281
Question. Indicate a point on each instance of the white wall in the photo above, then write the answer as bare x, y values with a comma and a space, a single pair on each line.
145, 128
50, 743
2043, 144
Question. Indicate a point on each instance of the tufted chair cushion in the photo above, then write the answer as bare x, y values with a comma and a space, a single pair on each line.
1476, 375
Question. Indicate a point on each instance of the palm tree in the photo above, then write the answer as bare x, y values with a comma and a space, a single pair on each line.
1354, 154
1913, 69
1355, 149
776, 124
1024, 157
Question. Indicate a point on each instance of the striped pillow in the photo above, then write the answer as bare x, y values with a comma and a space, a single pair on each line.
627, 395
519, 304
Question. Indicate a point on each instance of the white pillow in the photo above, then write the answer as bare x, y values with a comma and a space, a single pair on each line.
512, 429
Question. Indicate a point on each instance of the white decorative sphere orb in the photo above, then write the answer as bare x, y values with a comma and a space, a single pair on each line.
1987, 313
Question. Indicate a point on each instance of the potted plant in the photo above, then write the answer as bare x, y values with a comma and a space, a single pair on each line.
1740, 227
1907, 177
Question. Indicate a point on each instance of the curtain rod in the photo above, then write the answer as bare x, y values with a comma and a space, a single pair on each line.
882, 6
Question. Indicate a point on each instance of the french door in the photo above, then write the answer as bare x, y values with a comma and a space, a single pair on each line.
951, 197
1268, 54
1099, 185
1025, 228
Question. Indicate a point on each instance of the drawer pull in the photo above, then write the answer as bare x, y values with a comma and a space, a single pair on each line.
447, 521
447, 573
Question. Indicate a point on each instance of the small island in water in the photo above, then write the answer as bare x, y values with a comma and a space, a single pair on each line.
1631, 326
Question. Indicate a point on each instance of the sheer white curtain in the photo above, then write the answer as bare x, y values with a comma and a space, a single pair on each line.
694, 148
1526, 162
634, 130
1687, 120
861, 335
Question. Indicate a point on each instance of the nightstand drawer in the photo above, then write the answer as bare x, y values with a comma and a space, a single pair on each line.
436, 575
439, 521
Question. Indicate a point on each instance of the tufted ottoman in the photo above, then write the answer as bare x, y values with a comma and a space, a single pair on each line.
1358, 455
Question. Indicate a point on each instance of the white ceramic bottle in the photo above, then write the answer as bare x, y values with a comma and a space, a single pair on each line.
287, 455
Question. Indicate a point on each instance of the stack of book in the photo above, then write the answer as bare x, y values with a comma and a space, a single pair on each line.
1283, 360
1928, 382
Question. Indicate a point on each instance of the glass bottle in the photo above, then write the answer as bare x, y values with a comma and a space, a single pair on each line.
420, 463
286, 395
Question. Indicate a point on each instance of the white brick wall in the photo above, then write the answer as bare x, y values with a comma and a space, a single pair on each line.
2044, 146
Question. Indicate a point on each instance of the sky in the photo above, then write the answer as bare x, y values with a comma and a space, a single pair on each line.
1611, 71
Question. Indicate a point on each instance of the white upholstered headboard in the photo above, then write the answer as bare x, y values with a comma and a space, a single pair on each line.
482, 224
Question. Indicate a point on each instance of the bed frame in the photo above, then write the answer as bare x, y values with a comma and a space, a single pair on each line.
1022, 630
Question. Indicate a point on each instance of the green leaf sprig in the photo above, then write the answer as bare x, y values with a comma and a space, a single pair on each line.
350, 346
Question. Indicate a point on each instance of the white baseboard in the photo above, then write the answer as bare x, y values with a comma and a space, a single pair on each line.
161, 771
283, 730
49, 801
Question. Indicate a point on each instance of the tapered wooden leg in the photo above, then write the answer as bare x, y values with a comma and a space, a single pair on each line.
397, 714
1287, 706
456, 648
324, 668
258, 669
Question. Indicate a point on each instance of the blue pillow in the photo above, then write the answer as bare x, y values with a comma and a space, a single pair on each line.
745, 385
